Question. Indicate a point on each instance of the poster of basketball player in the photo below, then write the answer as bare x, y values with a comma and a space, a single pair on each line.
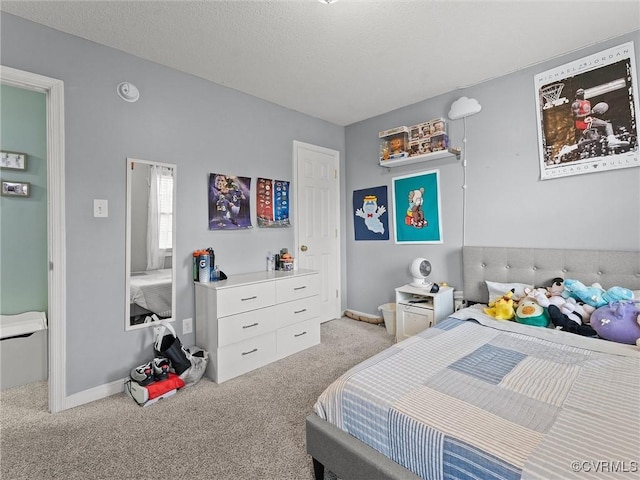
587, 114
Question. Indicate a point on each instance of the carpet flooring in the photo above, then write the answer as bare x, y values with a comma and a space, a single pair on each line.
248, 428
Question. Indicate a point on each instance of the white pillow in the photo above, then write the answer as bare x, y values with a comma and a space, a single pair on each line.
497, 289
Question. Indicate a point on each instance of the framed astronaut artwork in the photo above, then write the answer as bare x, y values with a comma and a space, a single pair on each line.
370, 217
587, 114
416, 208
229, 202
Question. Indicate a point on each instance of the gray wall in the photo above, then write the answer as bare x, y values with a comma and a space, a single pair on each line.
199, 126
507, 204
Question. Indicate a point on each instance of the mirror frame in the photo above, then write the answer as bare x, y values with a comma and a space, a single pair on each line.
127, 318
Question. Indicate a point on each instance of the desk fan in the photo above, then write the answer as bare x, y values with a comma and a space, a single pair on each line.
420, 270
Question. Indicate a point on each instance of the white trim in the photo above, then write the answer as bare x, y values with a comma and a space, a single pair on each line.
96, 393
57, 308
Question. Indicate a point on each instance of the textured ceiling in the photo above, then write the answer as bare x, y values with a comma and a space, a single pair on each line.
344, 62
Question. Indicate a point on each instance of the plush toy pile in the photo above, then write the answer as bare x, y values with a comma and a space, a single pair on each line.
571, 306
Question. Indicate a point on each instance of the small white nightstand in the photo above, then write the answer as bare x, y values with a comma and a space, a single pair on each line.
417, 309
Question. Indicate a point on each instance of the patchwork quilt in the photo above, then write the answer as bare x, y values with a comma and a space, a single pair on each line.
478, 398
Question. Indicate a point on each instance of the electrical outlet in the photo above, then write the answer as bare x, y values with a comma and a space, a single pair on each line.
100, 208
187, 326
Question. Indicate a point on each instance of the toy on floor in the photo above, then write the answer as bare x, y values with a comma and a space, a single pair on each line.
502, 308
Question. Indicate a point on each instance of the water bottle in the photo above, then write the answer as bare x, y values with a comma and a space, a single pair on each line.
212, 262
204, 273
195, 267
270, 262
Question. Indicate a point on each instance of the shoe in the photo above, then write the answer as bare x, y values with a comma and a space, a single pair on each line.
160, 368
614, 142
143, 375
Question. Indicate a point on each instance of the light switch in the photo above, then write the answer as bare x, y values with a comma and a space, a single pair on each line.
100, 208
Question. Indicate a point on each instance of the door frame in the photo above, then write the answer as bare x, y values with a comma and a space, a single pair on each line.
297, 145
56, 243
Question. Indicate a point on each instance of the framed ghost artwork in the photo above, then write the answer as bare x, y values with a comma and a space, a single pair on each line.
370, 217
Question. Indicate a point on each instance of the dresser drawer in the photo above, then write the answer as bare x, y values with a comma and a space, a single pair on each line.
297, 337
288, 289
242, 326
242, 357
297, 310
245, 297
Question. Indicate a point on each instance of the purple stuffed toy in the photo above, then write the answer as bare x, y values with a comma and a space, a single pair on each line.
618, 322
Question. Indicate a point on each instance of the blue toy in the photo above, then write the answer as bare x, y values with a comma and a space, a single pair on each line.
595, 295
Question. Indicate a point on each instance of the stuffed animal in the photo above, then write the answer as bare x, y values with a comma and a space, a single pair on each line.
595, 295
618, 322
530, 312
502, 307
567, 314
562, 322
556, 288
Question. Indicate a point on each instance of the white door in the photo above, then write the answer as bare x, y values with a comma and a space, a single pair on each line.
317, 220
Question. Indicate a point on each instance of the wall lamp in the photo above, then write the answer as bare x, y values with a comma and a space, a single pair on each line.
464, 107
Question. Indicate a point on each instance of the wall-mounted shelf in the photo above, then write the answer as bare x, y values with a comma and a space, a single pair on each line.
452, 151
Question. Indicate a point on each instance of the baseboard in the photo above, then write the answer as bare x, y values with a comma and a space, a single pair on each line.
95, 393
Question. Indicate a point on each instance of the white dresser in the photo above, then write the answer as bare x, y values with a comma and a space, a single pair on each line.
253, 319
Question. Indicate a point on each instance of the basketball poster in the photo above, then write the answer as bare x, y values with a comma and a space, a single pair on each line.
587, 114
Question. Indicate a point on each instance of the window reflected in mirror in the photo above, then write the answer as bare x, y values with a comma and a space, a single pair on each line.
150, 242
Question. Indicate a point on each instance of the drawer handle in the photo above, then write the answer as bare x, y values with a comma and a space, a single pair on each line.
252, 325
251, 351
300, 334
300, 288
300, 311
249, 298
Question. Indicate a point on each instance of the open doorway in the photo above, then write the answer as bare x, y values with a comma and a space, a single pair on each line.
56, 285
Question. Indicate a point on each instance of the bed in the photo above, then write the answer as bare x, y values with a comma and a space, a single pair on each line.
475, 397
150, 292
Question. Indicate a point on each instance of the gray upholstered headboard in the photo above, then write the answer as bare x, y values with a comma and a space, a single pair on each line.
539, 266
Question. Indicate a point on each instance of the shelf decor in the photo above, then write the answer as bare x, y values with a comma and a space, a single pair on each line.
417, 143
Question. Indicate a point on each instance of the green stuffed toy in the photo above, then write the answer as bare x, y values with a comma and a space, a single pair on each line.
530, 312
